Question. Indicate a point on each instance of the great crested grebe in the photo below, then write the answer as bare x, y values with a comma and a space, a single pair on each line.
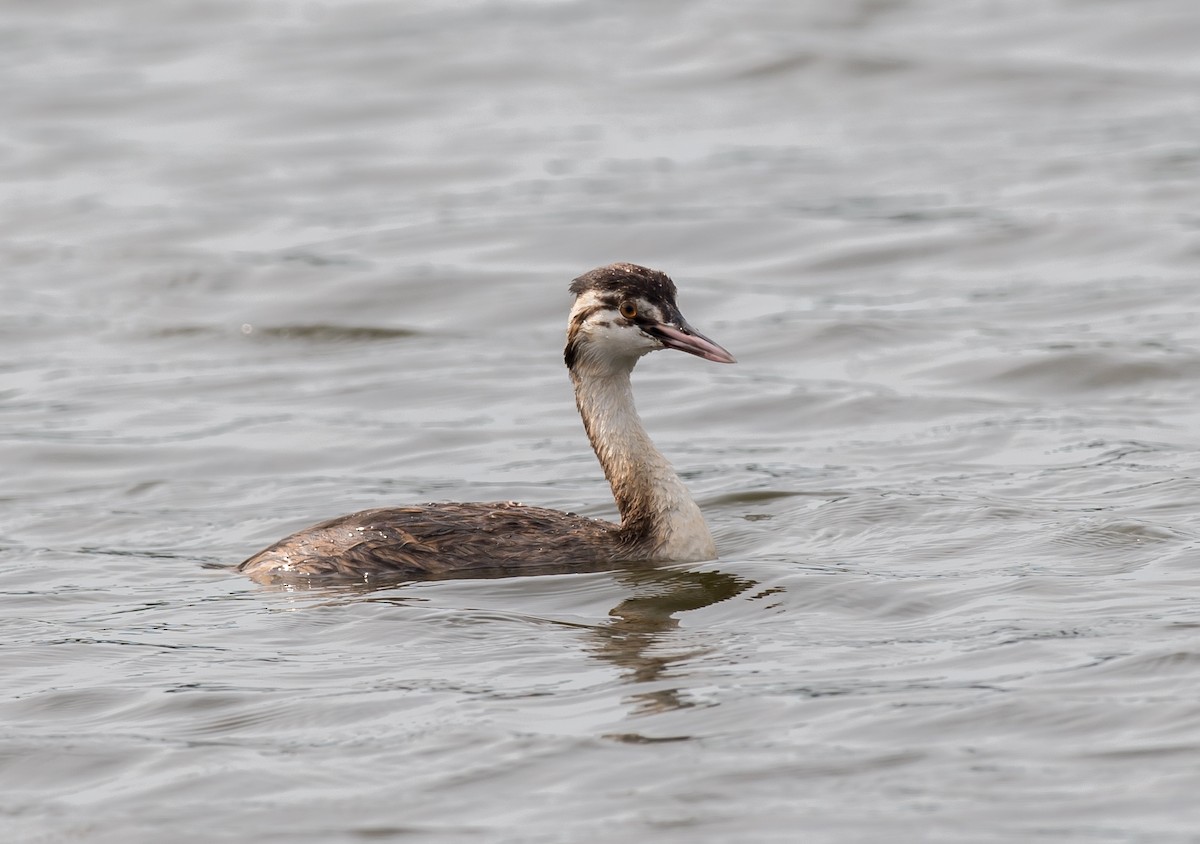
621, 312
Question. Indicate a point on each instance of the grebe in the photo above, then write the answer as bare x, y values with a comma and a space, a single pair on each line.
621, 312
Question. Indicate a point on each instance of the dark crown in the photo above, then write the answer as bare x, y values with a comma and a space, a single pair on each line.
627, 280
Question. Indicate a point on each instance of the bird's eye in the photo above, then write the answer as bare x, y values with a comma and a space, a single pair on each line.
628, 310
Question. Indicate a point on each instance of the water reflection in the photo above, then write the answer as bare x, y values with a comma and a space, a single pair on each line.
635, 640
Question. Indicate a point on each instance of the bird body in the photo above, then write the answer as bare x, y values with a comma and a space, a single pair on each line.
438, 539
621, 312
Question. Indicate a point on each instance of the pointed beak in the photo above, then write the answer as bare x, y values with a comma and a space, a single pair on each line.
687, 339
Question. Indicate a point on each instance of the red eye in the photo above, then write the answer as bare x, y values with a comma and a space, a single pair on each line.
628, 310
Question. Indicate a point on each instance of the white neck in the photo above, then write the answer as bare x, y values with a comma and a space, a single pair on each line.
657, 513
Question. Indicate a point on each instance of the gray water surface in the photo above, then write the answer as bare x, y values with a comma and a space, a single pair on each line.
267, 263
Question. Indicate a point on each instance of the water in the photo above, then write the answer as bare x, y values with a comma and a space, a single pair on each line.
268, 263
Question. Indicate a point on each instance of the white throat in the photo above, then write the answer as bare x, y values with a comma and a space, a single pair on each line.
657, 511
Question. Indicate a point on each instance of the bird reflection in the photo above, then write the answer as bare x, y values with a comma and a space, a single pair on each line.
636, 641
